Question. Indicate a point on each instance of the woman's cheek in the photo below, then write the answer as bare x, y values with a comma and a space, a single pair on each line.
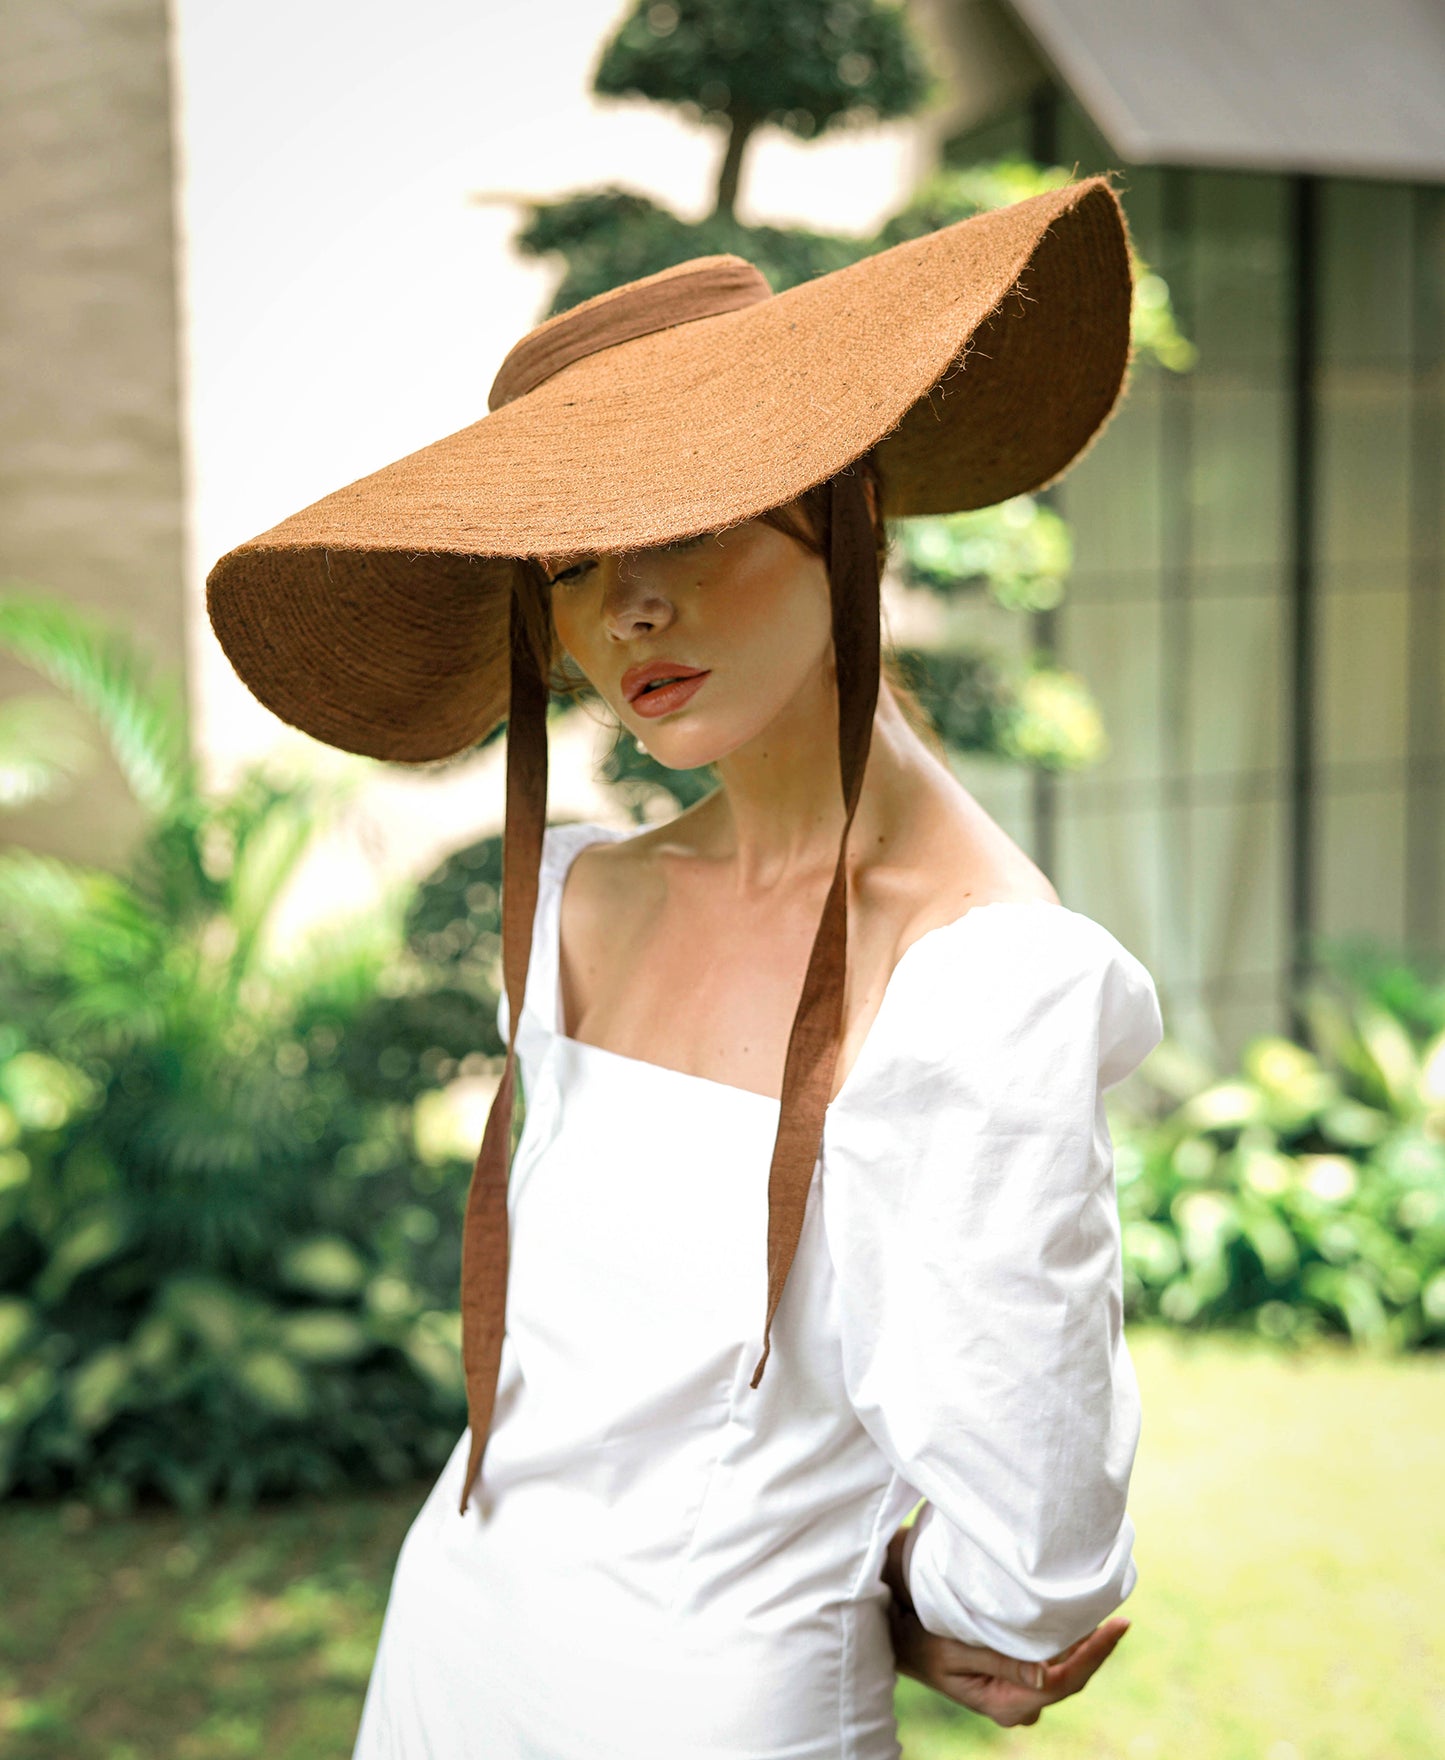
572, 635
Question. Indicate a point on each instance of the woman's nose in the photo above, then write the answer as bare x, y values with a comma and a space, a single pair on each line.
632, 605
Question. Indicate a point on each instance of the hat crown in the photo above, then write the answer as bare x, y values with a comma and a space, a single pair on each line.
704, 287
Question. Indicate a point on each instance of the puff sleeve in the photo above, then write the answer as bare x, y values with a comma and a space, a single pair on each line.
971, 1218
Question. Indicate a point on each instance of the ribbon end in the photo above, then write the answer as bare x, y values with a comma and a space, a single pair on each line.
474, 1462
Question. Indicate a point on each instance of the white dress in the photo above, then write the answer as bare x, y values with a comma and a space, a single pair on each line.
663, 1563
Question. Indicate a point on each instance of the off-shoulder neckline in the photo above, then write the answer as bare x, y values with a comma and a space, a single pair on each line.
561, 865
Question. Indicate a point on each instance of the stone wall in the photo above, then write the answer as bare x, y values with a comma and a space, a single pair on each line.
90, 449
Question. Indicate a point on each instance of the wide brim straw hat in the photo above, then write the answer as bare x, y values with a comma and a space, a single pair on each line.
974, 363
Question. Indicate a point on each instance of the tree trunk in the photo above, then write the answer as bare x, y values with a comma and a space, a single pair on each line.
740, 128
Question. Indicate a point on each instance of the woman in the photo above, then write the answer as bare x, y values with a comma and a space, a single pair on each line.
832, 1060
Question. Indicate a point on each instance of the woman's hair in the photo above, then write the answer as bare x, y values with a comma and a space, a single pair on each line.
806, 530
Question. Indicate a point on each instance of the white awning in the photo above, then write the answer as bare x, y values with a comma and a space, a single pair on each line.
1345, 88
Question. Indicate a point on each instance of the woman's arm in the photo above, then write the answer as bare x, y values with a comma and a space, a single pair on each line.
973, 1224
999, 1687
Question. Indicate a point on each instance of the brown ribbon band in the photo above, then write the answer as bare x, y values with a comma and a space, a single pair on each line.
817, 1023
484, 1229
812, 1054
702, 289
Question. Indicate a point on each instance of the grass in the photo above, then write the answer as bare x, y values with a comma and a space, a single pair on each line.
1291, 1552
1291, 1601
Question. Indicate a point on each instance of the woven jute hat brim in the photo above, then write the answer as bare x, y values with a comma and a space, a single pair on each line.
980, 359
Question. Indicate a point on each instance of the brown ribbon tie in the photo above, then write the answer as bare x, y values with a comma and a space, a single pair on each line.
812, 1053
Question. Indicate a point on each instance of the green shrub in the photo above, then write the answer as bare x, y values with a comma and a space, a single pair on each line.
1306, 1192
230, 1183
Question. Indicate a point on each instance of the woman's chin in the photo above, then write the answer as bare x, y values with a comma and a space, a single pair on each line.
677, 748
684, 746
673, 755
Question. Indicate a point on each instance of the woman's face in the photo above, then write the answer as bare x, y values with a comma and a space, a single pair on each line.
744, 613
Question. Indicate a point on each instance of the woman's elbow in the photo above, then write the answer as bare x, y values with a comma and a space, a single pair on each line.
1028, 1616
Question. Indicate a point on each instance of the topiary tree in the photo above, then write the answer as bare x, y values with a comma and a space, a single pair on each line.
801, 65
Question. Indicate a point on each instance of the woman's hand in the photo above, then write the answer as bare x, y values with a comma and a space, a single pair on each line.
1000, 1687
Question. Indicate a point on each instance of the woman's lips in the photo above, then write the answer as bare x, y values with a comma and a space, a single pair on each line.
662, 699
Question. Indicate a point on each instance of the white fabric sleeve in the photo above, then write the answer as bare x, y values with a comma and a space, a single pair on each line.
970, 1213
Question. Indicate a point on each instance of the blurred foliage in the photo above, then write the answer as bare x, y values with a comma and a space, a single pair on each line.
1401, 987
1022, 710
44, 746
1305, 1192
609, 236
98, 669
1019, 552
647, 788
229, 1181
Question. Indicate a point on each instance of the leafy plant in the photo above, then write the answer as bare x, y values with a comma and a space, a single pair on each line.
608, 236
229, 1178
1026, 711
43, 747
1303, 1193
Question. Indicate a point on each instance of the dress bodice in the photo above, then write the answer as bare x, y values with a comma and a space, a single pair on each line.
663, 1560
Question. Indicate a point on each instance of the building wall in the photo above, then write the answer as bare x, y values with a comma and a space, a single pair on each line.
90, 484
1211, 839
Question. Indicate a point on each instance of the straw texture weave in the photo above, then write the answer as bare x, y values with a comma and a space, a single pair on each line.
980, 359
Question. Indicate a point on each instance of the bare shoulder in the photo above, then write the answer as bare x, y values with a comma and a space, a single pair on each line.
952, 856
943, 855
611, 879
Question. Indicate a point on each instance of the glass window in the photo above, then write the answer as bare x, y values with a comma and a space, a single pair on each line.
1112, 497
1425, 848
1361, 700
1361, 870
1240, 886
1116, 649
1363, 485
1239, 450
1242, 304
1236, 703
1109, 867
1365, 282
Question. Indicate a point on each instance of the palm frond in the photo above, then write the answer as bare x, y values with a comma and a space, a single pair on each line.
264, 863
337, 965
42, 896
43, 745
142, 717
65, 920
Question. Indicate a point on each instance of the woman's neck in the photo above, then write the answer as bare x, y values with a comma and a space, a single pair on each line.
779, 812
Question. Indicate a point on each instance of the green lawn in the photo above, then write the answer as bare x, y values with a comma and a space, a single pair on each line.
1291, 1603
1291, 1552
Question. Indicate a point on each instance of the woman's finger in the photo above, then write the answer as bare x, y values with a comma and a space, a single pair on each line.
957, 1658
953, 1657
1111, 1626
1083, 1661
1003, 1688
